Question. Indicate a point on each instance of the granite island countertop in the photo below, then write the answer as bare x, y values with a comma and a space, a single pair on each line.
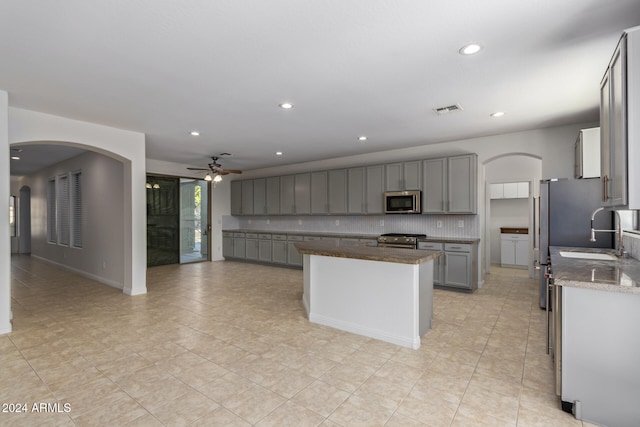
366, 252
620, 275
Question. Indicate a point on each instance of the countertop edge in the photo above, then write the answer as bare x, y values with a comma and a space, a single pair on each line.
565, 267
368, 253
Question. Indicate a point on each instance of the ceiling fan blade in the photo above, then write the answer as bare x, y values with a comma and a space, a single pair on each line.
198, 169
232, 171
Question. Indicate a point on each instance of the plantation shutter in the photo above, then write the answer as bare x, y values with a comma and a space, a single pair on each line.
76, 209
63, 209
52, 235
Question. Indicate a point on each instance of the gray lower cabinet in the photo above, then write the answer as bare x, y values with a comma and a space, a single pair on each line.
251, 246
438, 263
264, 247
227, 244
279, 248
459, 266
293, 256
239, 245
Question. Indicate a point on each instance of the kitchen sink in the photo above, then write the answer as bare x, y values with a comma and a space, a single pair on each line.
588, 255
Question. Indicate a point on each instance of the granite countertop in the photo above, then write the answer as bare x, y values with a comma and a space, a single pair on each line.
366, 252
619, 275
355, 236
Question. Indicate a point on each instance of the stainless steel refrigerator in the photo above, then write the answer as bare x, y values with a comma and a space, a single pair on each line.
566, 206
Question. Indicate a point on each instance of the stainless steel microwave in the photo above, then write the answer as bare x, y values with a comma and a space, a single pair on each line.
409, 202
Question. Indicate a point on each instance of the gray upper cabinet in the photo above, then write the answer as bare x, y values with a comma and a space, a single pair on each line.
613, 130
236, 197
302, 193
462, 184
374, 189
337, 191
450, 185
356, 191
273, 195
259, 196
393, 177
403, 176
247, 197
319, 193
434, 186
287, 194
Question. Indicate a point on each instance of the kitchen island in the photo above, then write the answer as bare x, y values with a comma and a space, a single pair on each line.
597, 346
382, 293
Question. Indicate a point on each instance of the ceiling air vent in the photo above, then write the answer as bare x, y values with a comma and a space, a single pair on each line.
448, 109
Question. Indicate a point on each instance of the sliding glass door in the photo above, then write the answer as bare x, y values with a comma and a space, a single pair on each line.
194, 220
177, 220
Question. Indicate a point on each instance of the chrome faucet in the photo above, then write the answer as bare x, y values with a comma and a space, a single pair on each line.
620, 252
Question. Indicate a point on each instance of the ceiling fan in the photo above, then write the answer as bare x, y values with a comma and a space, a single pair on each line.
215, 169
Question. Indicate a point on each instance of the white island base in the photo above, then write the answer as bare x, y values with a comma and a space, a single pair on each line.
389, 301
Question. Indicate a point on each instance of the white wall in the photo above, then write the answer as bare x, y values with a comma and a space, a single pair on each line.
101, 256
5, 243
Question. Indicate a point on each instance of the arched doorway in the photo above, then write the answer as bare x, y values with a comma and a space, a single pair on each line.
510, 168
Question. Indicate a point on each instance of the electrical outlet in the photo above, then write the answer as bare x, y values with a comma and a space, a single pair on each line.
382, 223
439, 224
337, 222
461, 224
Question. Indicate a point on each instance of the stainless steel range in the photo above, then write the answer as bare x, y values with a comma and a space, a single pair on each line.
400, 240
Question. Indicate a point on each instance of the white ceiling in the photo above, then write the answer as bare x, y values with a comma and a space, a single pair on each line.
350, 67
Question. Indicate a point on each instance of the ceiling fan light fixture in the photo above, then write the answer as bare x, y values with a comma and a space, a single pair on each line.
470, 49
208, 177
148, 185
217, 178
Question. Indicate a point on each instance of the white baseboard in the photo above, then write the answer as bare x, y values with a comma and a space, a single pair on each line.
367, 332
82, 273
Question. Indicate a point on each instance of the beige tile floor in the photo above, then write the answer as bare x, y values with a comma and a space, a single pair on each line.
227, 344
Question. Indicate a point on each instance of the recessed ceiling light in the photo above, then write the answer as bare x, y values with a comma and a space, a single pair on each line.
470, 49
497, 114
362, 138
194, 133
286, 105
278, 153
15, 158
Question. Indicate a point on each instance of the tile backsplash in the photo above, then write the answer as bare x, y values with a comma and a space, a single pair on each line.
431, 225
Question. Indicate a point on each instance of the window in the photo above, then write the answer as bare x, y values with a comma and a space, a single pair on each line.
64, 210
12, 216
76, 209
52, 224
